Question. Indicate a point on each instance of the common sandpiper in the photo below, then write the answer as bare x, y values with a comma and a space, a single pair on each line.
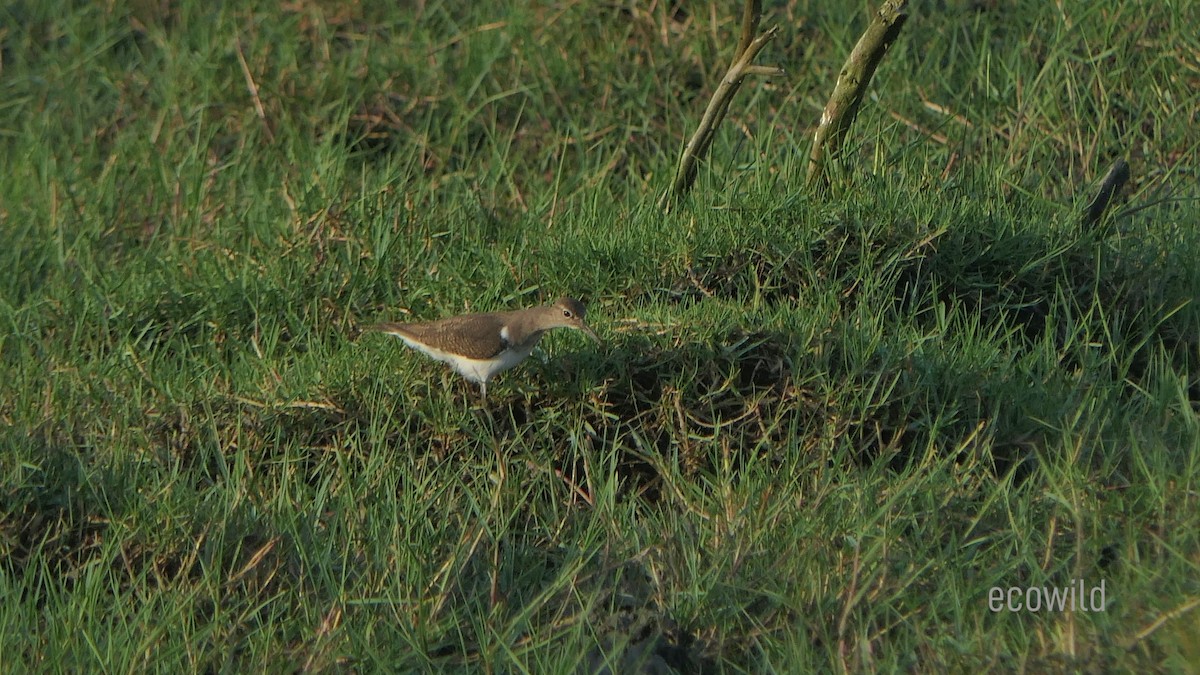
481, 345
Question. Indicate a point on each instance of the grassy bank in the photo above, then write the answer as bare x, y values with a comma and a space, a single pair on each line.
822, 429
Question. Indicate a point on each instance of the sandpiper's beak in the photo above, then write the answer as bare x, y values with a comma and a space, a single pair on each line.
590, 333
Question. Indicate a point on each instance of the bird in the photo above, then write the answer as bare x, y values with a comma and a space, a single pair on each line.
482, 345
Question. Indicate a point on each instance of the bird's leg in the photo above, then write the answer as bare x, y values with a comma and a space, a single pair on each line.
483, 404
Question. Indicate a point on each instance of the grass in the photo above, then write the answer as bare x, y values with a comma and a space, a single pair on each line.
824, 427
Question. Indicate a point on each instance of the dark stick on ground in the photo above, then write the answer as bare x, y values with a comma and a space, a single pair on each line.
1114, 180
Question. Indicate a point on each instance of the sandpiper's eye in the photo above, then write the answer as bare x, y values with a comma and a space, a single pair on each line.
567, 313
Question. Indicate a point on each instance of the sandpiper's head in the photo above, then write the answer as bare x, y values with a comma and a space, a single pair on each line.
569, 313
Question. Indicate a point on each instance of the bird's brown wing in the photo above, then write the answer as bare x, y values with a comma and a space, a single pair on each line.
475, 336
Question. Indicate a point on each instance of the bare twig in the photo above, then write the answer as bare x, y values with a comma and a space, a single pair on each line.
852, 84
749, 45
250, 84
1189, 605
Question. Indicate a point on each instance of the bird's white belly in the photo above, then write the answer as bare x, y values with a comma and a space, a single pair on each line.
475, 370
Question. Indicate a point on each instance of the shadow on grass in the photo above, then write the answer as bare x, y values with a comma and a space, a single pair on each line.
1100, 312
74, 513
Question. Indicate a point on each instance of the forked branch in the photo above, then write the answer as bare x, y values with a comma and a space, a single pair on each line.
749, 45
